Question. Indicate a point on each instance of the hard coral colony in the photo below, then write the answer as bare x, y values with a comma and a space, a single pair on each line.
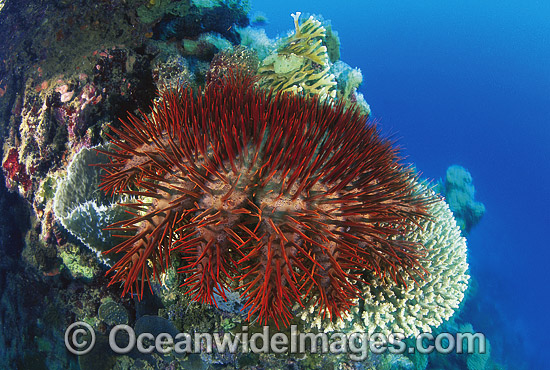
289, 199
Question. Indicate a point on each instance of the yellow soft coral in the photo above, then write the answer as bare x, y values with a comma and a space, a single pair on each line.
307, 41
301, 64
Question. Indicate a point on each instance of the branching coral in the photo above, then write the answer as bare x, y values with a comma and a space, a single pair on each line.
420, 304
307, 41
301, 64
288, 198
425, 303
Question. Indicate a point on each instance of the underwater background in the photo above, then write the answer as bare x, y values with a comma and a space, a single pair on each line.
468, 83
456, 83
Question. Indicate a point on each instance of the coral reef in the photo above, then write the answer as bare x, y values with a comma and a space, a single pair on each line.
79, 265
112, 313
257, 40
459, 192
50, 122
71, 70
83, 210
171, 72
301, 63
307, 62
418, 305
235, 59
477, 357
258, 19
478, 360
15, 172
348, 80
423, 304
332, 42
189, 19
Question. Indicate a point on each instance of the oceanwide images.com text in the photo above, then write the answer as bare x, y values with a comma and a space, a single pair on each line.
80, 339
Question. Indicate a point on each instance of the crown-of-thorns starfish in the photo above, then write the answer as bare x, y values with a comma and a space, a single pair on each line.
289, 199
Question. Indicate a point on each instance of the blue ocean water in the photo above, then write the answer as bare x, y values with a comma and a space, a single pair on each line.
467, 82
